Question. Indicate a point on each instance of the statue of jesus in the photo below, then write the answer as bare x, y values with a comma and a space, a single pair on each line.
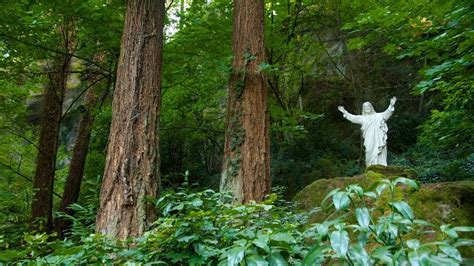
374, 131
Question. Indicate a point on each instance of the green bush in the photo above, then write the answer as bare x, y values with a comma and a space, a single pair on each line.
204, 228
433, 166
360, 232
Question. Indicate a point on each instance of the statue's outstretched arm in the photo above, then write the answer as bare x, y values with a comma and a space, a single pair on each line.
356, 119
388, 113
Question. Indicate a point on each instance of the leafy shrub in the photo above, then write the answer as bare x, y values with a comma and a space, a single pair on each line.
434, 166
360, 227
202, 228
83, 220
385, 233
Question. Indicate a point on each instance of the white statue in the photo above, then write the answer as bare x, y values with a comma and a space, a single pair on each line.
374, 131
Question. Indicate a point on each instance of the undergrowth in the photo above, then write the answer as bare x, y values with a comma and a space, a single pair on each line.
198, 228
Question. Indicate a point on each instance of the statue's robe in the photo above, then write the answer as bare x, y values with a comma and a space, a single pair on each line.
374, 131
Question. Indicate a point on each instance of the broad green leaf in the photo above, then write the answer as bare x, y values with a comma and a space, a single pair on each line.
422, 222
235, 255
240, 242
330, 194
357, 189
437, 260
206, 251
167, 209
446, 228
439, 68
408, 182
276, 259
380, 188
322, 229
404, 209
261, 242
359, 254
413, 244
315, 255
283, 237
451, 251
186, 238
370, 194
362, 239
393, 230
424, 85
363, 217
339, 242
383, 254
341, 200
464, 228
197, 202
178, 207
414, 258
463, 242
256, 260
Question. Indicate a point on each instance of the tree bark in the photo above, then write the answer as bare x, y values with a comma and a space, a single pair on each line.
246, 166
43, 183
72, 186
132, 162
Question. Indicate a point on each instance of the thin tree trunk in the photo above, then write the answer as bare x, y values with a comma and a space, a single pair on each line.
43, 183
246, 166
72, 186
132, 163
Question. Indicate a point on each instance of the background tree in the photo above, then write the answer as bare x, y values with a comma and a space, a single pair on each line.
72, 184
42, 203
132, 164
195, 82
57, 71
246, 170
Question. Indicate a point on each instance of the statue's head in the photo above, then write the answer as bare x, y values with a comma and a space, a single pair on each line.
367, 109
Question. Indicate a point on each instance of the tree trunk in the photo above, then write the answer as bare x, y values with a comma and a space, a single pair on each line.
132, 163
72, 186
43, 183
246, 170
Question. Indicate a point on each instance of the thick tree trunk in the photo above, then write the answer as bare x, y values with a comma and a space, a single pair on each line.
132, 163
246, 170
76, 168
42, 203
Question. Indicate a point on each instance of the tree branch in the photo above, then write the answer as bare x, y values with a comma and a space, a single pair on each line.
56, 51
331, 60
79, 96
11, 169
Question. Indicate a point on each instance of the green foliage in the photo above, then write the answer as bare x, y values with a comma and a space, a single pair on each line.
436, 38
200, 228
17, 155
434, 165
449, 77
320, 54
383, 234
291, 122
83, 220
196, 69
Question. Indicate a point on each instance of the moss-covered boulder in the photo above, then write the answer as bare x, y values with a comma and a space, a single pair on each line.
392, 171
440, 203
